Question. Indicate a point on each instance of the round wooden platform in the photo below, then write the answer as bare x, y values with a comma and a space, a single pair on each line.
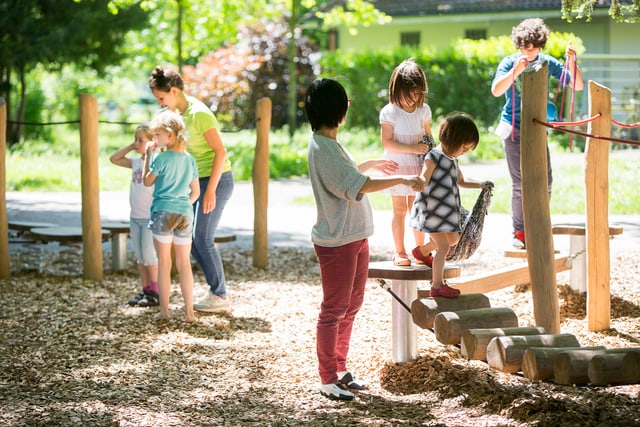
387, 270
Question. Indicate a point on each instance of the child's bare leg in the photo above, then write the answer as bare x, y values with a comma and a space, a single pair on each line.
442, 244
151, 272
183, 264
398, 223
144, 276
163, 251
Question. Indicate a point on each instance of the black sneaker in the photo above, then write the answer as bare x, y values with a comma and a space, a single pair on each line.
150, 299
352, 383
136, 299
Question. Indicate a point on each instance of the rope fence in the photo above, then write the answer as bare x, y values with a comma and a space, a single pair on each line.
69, 122
559, 126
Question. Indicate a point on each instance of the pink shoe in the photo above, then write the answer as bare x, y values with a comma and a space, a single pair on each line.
422, 259
444, 291
401, 260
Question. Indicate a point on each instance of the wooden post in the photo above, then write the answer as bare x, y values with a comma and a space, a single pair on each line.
535, 200
4, 222
91, 228
260, 176
597, 210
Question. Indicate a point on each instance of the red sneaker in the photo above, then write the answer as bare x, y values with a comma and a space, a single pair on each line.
518, 239
422, 259
444, 291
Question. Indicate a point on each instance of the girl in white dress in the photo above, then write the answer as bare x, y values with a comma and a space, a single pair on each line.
404, 122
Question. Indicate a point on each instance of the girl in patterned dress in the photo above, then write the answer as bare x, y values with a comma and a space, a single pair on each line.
404, 121
437, 210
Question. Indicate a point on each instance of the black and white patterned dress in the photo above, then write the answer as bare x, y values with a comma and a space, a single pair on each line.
438, 209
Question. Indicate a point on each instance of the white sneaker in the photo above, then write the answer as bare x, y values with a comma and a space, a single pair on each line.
337, 391
212, 303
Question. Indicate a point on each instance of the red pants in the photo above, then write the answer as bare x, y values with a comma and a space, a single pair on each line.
344, 272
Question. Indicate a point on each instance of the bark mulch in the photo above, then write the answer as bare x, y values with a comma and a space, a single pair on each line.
73, 353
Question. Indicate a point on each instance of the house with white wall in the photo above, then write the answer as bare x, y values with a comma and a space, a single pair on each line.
612, 56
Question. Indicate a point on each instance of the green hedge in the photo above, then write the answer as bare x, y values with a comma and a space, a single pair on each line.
458, 77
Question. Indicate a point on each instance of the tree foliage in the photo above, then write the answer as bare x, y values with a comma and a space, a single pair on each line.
619, 10
52, 33
231, 80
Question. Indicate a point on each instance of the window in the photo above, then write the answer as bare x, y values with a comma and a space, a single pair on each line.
476, 34
410, 39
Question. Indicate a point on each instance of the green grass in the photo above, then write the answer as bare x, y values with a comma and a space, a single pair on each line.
54, 166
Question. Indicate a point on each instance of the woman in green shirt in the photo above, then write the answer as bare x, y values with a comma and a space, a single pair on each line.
216, 180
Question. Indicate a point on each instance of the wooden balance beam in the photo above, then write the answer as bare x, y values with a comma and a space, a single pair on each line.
503, 277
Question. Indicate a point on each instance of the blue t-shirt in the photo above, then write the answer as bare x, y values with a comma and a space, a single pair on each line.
174, 172
555, 69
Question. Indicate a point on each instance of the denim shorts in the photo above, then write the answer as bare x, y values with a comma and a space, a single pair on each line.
168, 227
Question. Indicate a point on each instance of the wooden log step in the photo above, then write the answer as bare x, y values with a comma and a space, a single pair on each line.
615, 368
450, 325
538, 362
473, 344
424, 310
572, 367
505, 353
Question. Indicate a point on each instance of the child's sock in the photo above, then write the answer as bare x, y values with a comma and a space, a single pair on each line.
152, 286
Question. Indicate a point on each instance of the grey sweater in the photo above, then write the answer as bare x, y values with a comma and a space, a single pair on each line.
343, 213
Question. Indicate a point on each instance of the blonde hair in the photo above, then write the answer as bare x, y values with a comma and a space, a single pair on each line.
170, 121
145, 129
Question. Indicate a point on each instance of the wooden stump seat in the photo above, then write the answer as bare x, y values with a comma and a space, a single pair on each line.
577, 251
404, 286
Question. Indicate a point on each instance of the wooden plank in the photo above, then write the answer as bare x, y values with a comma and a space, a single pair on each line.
28, 225
62, 234
597, 210
579, 229
503, 277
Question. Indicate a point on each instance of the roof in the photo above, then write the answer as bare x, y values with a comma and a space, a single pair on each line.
435, 7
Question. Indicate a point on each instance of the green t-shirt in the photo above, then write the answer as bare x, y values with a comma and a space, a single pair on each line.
199, 119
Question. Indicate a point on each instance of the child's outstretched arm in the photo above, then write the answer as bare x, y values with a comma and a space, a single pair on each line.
472, 183
387, 167
120, 158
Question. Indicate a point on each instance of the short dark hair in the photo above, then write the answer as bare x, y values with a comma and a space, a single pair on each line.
458, 129
532, 31
325, 104
164, 78
407, 78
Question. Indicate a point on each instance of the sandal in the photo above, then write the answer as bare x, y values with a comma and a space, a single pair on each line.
444, 291
401, 260
422, 259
